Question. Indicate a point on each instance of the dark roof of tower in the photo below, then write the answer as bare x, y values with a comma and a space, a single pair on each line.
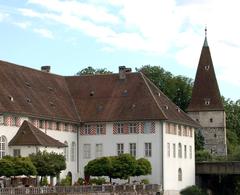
205, 94
29, 135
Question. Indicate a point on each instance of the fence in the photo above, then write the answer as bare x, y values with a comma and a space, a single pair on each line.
81, 189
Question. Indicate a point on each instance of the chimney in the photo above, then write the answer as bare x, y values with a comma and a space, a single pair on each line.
122, 72
45, 68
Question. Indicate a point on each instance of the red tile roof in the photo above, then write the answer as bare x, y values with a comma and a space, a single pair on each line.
92, 98
29, 135
205, 85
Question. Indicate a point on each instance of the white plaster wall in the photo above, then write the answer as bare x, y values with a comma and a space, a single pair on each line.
110, 141
171, 164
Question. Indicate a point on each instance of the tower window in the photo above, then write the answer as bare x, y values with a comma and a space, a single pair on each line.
207, 101
211, 120
206, 67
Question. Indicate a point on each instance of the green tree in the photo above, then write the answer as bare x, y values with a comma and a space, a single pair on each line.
123, 166
143, 167
202, 155
91, 71
6, 168
199, 141
48, 164
192, 190
177, 88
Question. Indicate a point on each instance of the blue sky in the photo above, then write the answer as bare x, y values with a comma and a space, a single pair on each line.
71, 35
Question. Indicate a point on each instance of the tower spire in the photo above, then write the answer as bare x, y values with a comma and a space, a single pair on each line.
205, 44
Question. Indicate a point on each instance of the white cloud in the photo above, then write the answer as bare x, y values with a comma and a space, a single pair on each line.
44, 32
154, 27
3, 16
23, 25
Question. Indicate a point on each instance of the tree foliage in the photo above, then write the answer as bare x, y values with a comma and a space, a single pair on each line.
121, 167
48, 164
199, 141
192, 190
202, 155
177, 88
13, 166
91, 71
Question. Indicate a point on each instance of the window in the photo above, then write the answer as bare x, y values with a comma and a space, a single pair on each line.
190, 152
147, 127
58, 125
14, 121
185, 151
179, 130
148, 149
99, 129
120, 149
132, 128
132, 149
207, 101
168, 149
73, 149
86, 151
3, 144
16, 152
87, 129
41, 124
206, 67
211, 120
65, 126
50, 125
120, 128
191, 132
179, 174
66, 151
174, 150
99, 150
179, 150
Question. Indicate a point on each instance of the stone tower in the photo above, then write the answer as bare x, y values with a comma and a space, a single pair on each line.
206, 106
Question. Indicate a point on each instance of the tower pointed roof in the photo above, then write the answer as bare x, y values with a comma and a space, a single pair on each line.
205, 94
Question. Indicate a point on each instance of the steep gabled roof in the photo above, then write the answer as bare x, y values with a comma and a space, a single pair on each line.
31, 92
29, 135
205, 94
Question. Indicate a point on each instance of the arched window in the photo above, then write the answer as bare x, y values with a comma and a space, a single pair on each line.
73, 149
66, 150
179, 174
3, 145
179, 150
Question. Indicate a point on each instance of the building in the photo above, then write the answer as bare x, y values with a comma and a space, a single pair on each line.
94, 116
206, 106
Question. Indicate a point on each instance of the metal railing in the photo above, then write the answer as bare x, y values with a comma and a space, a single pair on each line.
80, 189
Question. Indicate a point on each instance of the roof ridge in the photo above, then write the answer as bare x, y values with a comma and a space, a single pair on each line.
31, 127
161, 110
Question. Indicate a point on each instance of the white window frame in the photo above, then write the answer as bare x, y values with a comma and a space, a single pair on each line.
133, 149
87, 129
99, 129
179, 150
180, 174
168, 149
120, 128
185, 151
3, 146
66, 151
132, 128
120, 148
148, 149
99, 150
73, 151
174, 150
86, 151
190, 152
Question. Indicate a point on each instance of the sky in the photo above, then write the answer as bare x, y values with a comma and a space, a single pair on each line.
70, 35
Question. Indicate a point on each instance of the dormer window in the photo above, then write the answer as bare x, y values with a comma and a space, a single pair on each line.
27, 84
10, 98
206, 67
207, 101
50, 88
92, 93
166, 107
125, 92
28, 100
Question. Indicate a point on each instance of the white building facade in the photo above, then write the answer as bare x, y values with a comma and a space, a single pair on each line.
125, 114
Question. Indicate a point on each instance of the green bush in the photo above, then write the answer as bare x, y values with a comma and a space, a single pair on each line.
192, 190
80, 181
66, 181
145, 181
44, 181
203, 155
97, 181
